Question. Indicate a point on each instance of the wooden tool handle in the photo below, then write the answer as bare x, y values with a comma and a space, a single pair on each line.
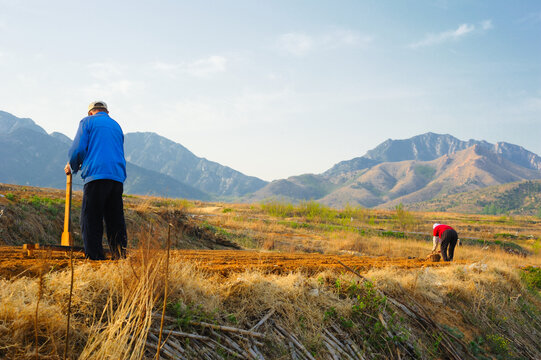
67, 239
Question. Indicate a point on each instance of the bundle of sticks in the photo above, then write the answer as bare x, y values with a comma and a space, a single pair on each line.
245, 344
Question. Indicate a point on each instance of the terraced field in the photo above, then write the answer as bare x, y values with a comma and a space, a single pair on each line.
15, 262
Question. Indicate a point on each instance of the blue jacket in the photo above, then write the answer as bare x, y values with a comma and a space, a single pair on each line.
98, 149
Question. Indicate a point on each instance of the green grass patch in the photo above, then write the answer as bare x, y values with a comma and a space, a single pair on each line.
278, 209
44, 204
187, 313
395, 234
511, 247
505, 236
531, 275
174, 203
296, 225
310, 210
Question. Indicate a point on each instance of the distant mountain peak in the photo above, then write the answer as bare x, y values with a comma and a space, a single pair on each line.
424, 147
61, 137
157, 153
410, 170
10, 123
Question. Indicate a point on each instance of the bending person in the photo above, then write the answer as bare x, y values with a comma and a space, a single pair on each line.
447, 237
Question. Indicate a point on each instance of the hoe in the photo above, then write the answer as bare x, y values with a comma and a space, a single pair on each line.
66, 242
67, 238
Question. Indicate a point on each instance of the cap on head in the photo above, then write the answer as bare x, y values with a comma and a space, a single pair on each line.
97, 105
434, 226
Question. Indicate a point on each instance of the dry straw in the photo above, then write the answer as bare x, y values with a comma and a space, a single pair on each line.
123, 334
166, 274
40, 293
69, 307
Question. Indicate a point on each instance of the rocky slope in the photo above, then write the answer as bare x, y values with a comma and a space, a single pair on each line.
29, 156
397, 171
409, 171
157, 153
516, 198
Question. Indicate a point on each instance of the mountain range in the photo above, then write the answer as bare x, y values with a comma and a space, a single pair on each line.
409, 171
516, 198
406, 171
30, 156
157, 153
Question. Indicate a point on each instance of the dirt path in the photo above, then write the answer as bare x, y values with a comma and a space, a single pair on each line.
14, 262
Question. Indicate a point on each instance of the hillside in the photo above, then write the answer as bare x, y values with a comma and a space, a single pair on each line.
405, 171
36, 215
309, 283
30, 156
409, 171
517, 198
162, 155
473, 168
35, 158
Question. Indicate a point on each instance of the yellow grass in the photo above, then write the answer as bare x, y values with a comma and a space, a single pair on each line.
113, 302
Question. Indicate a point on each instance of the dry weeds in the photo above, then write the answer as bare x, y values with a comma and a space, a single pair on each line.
113, 303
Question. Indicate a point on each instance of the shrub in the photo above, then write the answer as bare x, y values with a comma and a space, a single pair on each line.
492, 209
350, 212
316, 211
278, 209
498, 344
532, 277
404, 219
309, 209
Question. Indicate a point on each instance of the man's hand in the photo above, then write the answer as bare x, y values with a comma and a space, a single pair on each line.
67, 169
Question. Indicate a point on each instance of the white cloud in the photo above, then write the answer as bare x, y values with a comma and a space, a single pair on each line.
108, 80
453, 35
434, 39
202, 68
300, 44
344, 38
206, 67
296, 43
532, 104
104, 89
28, 80
533, 17
486, 25
235, 112
104, 71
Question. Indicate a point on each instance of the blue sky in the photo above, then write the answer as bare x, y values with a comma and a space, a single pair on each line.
278, 88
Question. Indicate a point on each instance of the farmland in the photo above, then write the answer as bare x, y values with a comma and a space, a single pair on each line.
292, 281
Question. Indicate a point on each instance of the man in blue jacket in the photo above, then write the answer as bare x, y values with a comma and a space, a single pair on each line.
98, 151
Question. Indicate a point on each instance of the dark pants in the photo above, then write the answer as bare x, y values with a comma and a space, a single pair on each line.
449, 239
102, 200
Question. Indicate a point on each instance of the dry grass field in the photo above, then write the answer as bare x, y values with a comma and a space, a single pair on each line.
268, 281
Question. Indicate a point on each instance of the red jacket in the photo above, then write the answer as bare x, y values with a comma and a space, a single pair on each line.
438, 230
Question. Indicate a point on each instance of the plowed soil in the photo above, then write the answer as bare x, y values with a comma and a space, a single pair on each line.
14, 262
